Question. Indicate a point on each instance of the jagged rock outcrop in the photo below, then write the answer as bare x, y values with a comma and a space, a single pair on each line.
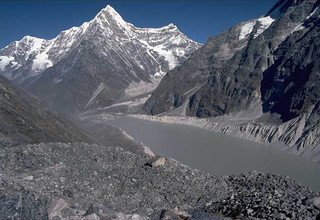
91, 66
268, 89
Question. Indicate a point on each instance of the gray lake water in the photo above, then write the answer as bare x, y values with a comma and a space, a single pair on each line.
217, 153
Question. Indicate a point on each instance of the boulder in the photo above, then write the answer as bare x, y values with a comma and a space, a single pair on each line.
314, 201
156, 161
56, 207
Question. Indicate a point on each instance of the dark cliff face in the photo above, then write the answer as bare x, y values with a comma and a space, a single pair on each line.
238, 83
180, 83
232, 85
23, 119
292, 84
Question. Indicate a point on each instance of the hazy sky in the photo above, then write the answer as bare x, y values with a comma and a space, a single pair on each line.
198, 19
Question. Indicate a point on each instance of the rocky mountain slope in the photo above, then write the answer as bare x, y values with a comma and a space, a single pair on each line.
91, 66
81, 181
267, 91
180, 83
23, 119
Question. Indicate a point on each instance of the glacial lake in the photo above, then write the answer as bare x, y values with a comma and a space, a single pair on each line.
217, 153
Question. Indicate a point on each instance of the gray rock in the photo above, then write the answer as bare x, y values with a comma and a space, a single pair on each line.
97, 180
92, 217
173, 214
168, 215
314, 201
18, 203
56, 208
156, 161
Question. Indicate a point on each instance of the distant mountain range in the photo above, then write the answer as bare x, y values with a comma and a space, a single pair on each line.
259, 80
91, 66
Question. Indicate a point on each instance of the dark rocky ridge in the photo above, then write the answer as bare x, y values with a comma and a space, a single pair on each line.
251, 62
291, 85
238, 83
65, 180
273, 81
23, 119
179, 84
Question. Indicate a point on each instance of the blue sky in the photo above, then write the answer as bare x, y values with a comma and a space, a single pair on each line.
198, 19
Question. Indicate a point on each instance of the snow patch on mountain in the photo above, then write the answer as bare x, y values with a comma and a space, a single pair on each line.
160, 74
247, 28
301, 25
35, 44
57, 80
115, 16
4, 61
168, 56
100, 88
41, 62
265, 23
312, 13
298, 28
163, 52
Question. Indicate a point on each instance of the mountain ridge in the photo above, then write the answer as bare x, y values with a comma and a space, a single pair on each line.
44, 45
266, 92
132, 55
24, 119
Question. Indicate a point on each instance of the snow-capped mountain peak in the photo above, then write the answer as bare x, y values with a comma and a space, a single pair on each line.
110, 12
128, 53
32, 44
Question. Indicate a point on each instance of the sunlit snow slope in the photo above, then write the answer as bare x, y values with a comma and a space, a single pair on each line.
107, 52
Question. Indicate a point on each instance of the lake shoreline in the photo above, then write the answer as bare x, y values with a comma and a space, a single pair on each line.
215, 150
222, 125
